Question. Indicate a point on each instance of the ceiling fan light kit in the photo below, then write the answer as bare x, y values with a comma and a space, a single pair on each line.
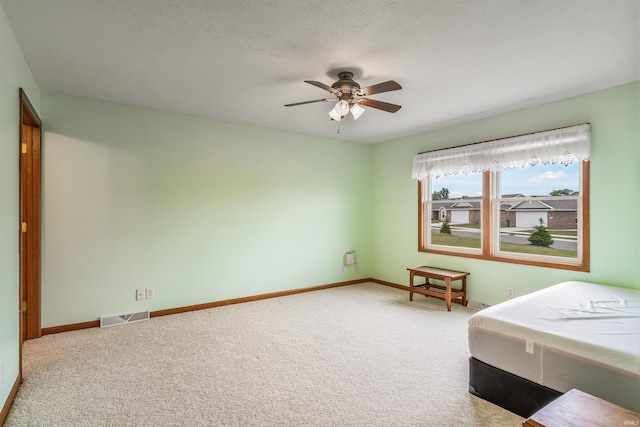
334, 115
351, 98
356, 110
342, 107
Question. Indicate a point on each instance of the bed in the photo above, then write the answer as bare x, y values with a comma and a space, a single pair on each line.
527, 351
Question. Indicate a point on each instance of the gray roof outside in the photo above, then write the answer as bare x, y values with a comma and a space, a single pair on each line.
541, 203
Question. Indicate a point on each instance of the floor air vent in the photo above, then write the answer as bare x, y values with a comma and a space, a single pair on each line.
123, 318
477, 305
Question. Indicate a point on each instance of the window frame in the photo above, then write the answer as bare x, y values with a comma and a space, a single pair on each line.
489, 245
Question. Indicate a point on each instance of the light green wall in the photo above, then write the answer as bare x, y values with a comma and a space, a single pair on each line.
615, 196
203, 210
14, 73
197, 209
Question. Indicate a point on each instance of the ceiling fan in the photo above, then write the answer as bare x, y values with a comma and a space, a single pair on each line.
350, 97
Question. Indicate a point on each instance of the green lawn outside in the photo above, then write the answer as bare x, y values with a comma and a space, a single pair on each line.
438, 238
538, 250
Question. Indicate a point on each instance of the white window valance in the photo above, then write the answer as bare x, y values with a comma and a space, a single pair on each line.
565, 146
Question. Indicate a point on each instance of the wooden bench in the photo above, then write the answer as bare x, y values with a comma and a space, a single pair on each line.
445, 292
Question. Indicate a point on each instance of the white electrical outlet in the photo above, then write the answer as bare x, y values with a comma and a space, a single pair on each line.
510, 292
151, 293
140, 294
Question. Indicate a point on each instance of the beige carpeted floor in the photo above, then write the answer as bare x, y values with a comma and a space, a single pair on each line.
360, 355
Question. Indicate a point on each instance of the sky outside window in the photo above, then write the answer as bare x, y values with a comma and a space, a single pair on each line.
538, 180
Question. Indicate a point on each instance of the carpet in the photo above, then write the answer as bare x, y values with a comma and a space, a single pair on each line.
358, 355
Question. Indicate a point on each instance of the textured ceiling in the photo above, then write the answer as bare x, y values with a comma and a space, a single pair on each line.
242, 60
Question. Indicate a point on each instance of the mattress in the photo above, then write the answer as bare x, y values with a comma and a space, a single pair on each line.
570, 335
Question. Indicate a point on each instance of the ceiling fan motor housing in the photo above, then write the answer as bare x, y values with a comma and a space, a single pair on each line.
346, 85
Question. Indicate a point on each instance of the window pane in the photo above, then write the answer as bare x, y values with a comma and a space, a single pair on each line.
456, 205
539, 210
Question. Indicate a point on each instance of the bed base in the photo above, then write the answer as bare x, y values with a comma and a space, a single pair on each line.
513, 393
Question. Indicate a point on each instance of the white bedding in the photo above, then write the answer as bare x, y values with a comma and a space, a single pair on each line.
573, 334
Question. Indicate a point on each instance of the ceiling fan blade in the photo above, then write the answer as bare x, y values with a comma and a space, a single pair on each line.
323, 86
385, 106
309, 102
387, 86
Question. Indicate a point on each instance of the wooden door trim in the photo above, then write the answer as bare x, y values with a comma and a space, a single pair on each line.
28, 114
30, 212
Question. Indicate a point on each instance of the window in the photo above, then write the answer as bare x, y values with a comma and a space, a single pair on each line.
455, 202
522, 200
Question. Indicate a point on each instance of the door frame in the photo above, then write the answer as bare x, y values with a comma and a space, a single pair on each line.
30, 290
